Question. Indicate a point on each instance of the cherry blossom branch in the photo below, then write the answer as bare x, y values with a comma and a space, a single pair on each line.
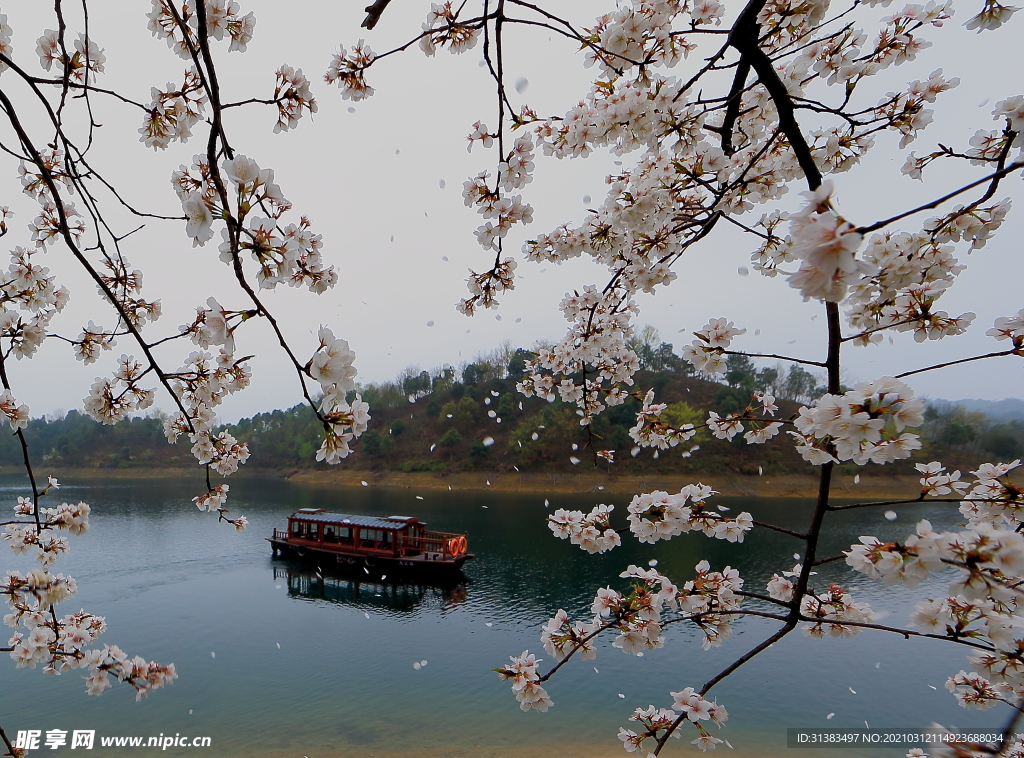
1013, 351
1016, 165
750, 654
819, 364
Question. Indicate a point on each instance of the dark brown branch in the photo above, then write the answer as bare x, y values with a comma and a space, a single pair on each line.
373, 13
1014, 351
935, 203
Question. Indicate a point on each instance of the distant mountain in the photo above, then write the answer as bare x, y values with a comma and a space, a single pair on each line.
1008, 409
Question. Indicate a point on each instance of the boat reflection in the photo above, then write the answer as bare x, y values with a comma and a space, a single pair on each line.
371, 592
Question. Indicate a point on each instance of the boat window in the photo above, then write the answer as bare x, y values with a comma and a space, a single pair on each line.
330, 534
366, 536
296, 528
345, 535
314, 532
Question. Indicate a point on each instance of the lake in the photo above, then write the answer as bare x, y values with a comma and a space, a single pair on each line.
274, 661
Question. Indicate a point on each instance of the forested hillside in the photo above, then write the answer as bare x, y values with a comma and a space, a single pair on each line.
448, 420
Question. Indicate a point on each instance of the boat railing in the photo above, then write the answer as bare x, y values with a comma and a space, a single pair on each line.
434, 542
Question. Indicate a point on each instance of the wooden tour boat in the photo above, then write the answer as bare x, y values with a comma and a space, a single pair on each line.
369, 541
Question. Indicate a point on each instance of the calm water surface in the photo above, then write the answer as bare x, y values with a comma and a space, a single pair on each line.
274, 661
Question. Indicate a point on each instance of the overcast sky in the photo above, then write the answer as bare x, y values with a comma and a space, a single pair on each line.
381, 180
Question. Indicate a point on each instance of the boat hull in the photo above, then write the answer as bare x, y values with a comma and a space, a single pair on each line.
375, 562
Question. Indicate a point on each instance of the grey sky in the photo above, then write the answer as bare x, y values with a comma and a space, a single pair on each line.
365, 176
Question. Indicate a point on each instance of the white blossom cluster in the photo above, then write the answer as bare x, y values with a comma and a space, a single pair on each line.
832, 610
201, 385
112, 400
40, 543
442, 29
87, 56
864, 424
707, 352
26, 287
1009, 328
223, 19
657, 721
293, 97
347, 69
332, 366
591, 531
526, 682
658, 515
761, 429
652, 431
173, 111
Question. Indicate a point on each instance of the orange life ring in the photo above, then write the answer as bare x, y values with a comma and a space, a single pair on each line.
456, 546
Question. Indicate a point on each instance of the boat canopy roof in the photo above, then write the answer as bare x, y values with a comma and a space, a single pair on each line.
391, 523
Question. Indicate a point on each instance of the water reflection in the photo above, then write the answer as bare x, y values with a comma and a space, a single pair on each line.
353, 588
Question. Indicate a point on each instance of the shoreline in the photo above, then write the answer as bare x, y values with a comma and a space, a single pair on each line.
735, 485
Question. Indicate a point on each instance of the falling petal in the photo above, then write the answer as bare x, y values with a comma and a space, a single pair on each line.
653, 562
635, 451
760, 471
933, 687
416, 665
440, 183
364, 484
497, 317
488, 623
517, 321
743, 271
878, 665
586, 199
419, 497
851, 689
516, 467
444, 258
547, 503
350, 110
430, 323
488, 441
890, 515
829, 716
366, 614
856, 479
522, 84
622, 696
432, 448
595, 670
483, 506
488, 482
575, 446
534, 436
423, 662
600, 487
573, 460
213, 655
796, 556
